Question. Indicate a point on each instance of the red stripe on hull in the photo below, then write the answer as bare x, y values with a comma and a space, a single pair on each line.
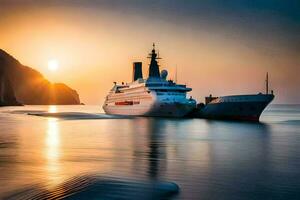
126, 103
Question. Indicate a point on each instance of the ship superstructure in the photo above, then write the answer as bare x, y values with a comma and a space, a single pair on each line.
153, 96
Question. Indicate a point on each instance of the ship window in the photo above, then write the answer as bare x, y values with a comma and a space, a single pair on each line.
173, 92
153, 84
162, 90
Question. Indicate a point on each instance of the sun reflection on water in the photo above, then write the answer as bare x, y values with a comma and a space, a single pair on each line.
52, 109
52, 152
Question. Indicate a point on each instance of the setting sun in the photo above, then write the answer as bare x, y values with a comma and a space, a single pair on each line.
53, 65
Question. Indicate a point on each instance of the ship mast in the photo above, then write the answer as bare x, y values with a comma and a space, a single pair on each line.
154, 67
267, 83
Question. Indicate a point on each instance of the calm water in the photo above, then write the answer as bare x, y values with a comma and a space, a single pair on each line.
206, 159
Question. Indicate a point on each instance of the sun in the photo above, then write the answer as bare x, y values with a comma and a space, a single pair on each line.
53, 65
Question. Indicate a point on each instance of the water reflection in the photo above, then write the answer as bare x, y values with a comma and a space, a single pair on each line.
52, 109
52, 152
148, 146
156, 144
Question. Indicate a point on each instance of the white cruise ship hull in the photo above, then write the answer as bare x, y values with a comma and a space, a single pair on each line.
157, 109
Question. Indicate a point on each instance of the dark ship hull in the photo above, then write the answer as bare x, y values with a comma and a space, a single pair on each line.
237, 107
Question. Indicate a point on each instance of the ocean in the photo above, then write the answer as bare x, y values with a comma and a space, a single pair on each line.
77, 152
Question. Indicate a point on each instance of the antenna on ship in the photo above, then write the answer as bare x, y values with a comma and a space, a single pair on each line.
176, 74
267, 83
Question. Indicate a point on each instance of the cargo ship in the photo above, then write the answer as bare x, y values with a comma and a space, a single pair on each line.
235, 107
154, 96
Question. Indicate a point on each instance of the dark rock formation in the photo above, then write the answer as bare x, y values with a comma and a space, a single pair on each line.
7, 95
30, 87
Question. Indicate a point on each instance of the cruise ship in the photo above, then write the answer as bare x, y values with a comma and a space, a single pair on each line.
235, 107
154, 96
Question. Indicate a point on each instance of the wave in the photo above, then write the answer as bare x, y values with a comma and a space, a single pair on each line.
291, 122
99, 187
70, 115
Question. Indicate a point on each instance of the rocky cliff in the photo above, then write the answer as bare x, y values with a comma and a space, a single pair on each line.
30, 87
7, 95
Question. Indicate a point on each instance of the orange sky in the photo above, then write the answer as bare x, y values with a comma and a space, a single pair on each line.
96, 46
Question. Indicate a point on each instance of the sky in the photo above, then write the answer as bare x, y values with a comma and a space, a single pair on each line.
218, 47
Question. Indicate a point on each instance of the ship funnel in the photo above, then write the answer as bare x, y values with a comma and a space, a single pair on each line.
137, 71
